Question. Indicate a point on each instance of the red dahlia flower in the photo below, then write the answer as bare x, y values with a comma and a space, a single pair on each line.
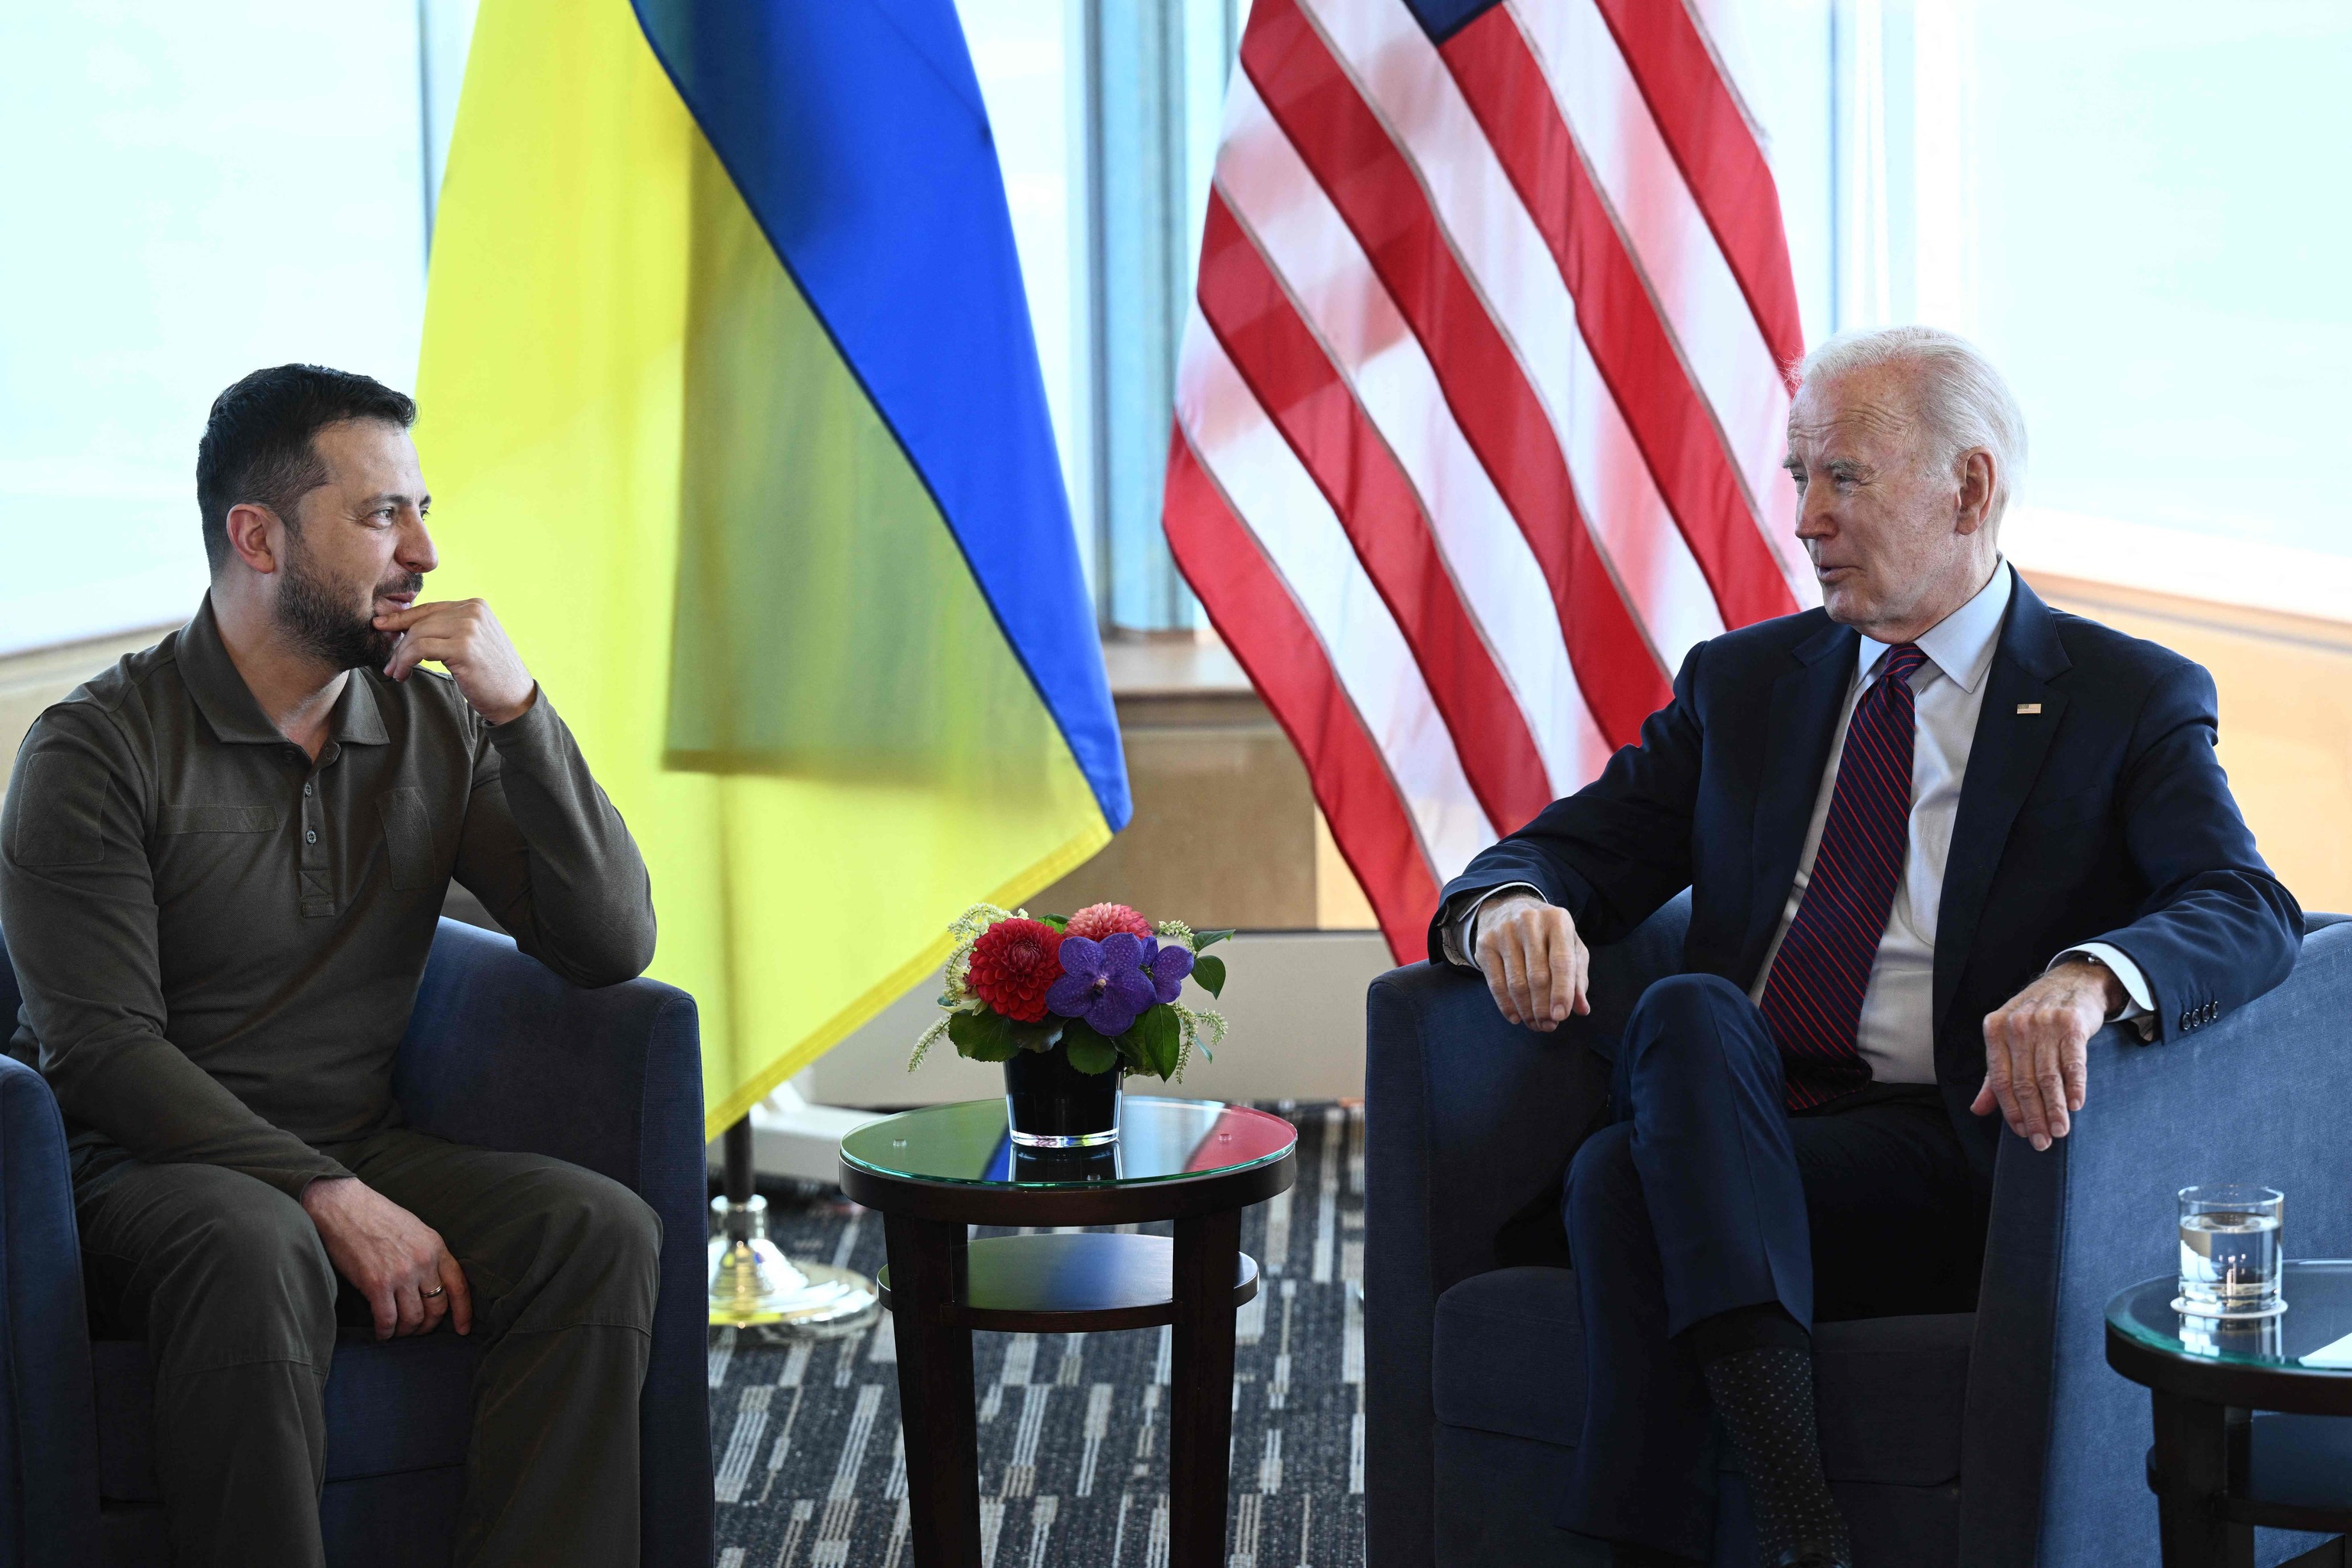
1013, 963
1096, 921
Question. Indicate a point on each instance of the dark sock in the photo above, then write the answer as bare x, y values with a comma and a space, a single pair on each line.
1765, 1396
1625, 1554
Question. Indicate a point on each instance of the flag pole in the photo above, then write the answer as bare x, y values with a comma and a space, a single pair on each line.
753, 1285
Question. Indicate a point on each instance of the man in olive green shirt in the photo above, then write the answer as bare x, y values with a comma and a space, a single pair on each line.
220, 866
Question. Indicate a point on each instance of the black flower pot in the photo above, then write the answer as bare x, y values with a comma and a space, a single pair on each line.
1049, 1104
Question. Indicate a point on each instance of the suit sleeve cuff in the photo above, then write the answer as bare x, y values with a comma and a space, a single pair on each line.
1453, 931
2139, 1001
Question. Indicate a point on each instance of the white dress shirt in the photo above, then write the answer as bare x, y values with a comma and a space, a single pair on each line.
1895, 1033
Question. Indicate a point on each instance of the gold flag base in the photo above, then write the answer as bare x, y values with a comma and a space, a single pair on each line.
753, 1285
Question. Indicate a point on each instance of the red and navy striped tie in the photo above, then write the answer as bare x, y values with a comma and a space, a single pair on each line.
1812, 1000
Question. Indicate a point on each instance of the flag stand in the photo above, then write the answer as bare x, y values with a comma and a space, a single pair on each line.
753, 1285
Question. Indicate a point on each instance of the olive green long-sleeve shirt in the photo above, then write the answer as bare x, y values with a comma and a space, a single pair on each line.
219, 940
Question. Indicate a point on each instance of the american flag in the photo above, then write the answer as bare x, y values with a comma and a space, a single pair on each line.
1480, 413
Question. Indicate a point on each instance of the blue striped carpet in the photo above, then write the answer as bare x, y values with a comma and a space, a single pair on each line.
1073, 1427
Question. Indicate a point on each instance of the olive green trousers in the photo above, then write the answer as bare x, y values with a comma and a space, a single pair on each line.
226, 1280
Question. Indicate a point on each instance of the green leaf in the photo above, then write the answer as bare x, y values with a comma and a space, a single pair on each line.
1093, 1054
983, 1037
1089, 1052
1131, 1053
1059, 922
1157, 1036
1203, 940
1037, 1036
1210, 974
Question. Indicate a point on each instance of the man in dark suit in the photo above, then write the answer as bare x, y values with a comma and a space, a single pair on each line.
1936, 834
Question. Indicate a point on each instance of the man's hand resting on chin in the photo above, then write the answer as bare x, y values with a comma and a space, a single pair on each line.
1534, 961
391, 1255
2037, 1049
466, 639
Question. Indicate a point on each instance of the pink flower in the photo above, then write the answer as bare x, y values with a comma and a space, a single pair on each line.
1096, 921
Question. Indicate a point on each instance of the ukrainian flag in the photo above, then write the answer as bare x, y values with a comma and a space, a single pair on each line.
732, 413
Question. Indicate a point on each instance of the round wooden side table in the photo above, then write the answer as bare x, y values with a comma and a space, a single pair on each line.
2217, 1468
933, 1172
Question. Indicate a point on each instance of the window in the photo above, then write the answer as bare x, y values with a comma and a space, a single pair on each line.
199, 190
2134, 209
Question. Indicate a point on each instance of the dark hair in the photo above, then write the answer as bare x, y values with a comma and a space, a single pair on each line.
256, 444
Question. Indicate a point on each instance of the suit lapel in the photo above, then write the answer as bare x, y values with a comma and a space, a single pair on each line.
1807, 700
2004, 759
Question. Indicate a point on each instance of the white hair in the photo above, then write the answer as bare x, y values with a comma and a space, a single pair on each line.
1962, 400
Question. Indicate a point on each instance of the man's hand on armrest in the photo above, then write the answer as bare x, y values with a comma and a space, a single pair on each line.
1534, 961
391, 1256
2037, 1048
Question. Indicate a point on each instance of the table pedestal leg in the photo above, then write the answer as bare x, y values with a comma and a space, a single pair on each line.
935, 1391
1201, 1422
2195, 1445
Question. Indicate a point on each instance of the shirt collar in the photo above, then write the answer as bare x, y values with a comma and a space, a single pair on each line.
359, 713
1961, 645
227, 703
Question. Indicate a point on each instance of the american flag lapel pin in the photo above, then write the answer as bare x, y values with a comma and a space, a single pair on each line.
2029, 707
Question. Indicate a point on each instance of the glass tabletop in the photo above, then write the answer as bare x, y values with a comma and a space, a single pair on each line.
2313, 1335
1159, 1140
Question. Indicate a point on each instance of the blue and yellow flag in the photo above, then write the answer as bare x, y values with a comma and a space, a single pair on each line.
732, 412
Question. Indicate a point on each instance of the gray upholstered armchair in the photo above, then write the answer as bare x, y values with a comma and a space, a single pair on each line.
1992, 1438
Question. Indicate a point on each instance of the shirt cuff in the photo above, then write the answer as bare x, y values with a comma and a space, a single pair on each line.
1453, 930
2139, 1000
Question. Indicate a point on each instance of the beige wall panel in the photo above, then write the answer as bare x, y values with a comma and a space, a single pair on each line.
2286, 685
29, 682
1224, 833
1340, 901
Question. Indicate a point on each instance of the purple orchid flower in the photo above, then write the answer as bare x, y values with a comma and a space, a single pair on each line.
1102, 983
1167, 967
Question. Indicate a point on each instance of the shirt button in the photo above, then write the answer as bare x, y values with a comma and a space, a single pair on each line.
311, 836
308, 788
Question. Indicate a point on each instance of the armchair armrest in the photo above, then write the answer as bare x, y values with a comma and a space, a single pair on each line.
502, 1053
2055, 1439
1466, 1119
48, 1433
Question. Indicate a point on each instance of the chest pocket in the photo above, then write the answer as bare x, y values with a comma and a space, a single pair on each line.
177, 819
407, 837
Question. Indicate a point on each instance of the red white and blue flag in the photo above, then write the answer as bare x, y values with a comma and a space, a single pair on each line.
1480, 414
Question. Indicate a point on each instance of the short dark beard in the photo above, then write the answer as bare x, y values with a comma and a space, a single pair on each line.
323, 624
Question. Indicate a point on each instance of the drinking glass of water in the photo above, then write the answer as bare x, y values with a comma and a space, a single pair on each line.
2230, 1251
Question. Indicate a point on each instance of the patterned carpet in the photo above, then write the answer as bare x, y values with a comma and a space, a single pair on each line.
1073, 1427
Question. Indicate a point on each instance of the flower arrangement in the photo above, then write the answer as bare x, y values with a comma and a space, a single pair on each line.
1103, 984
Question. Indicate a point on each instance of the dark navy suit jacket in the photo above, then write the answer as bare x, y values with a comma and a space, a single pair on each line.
2101, 815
